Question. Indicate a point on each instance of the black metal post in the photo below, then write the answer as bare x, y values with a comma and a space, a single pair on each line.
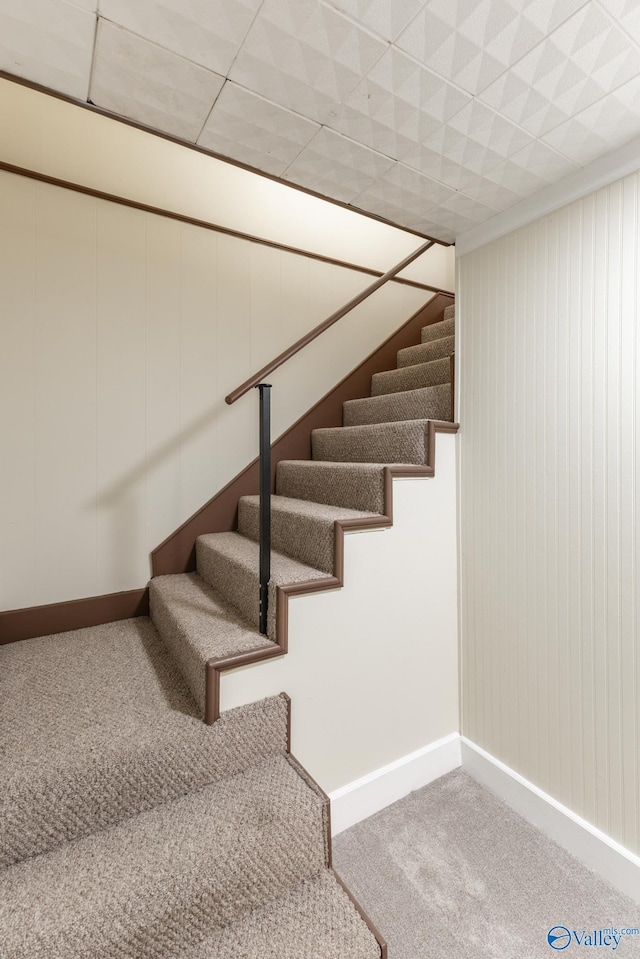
265, 501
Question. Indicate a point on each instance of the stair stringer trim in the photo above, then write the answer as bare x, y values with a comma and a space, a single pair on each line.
311, 782
215, 667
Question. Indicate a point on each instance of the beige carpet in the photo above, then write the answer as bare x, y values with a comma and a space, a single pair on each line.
451, 872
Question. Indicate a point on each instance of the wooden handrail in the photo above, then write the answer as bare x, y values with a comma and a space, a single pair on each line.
317, 330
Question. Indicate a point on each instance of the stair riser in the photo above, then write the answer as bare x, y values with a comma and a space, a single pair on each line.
306, 540
401, 443
437, 331
173, 635
239, 585
432, 403
426, 352
349, 488
412, 377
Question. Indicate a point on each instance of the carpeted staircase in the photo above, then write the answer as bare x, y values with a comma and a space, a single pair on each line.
128, 827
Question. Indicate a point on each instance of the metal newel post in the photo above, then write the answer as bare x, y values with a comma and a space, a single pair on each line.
265, 501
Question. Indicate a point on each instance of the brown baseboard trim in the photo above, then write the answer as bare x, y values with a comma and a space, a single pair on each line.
215, 667
18, 624
176, 554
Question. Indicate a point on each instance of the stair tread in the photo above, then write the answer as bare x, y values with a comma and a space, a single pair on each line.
316, 920
300, 528
198, 623
424, 352
404, 442
436, 331
171, 876
97, 725
245, 552
354, 485
414, 376
230, 563
429, 402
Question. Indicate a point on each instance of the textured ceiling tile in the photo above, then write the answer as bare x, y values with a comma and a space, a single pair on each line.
442, 37
304, 56
466, 206
438, 166
473, 41
627, 12
209, 32
384, 18
585, 58
607, 124
473, 156
337, 166
404, 97
531, 169
91, 5
140, 80
407, 189
372, 132
49, 42
520, 102
248, 128
484, 126
490, 193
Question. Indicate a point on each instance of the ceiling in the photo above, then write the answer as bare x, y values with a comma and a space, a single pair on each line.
434, 114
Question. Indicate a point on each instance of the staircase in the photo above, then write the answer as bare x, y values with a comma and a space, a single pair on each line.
128, 827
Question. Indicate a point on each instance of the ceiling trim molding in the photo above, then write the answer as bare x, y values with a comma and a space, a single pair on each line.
600, 173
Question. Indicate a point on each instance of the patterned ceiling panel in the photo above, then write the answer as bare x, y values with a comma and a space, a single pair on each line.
304, 56
147, 83
49, 42
435, 114
209, 32
248, 128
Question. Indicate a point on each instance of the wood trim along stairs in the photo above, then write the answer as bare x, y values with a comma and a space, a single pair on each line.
176, 554
215, 667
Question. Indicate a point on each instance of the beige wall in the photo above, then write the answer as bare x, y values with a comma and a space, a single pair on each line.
51, 136
121, 334
549, 373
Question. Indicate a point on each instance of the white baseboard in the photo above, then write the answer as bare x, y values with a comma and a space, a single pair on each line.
591, 846
360, 799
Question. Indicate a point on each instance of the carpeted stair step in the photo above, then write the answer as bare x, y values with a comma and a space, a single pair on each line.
165, 880
299, 528
450, 312
316, 920
415, 377
430, 403
436, 331
404, 442
358, 486
197, 623
230, 563
97, 726
425, 352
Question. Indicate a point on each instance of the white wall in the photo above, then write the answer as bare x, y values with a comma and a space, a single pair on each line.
549, 386
372, 668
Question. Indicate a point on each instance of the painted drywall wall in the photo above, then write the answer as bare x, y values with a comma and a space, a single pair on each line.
549, 374
372, 668
122, 332
62, 140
